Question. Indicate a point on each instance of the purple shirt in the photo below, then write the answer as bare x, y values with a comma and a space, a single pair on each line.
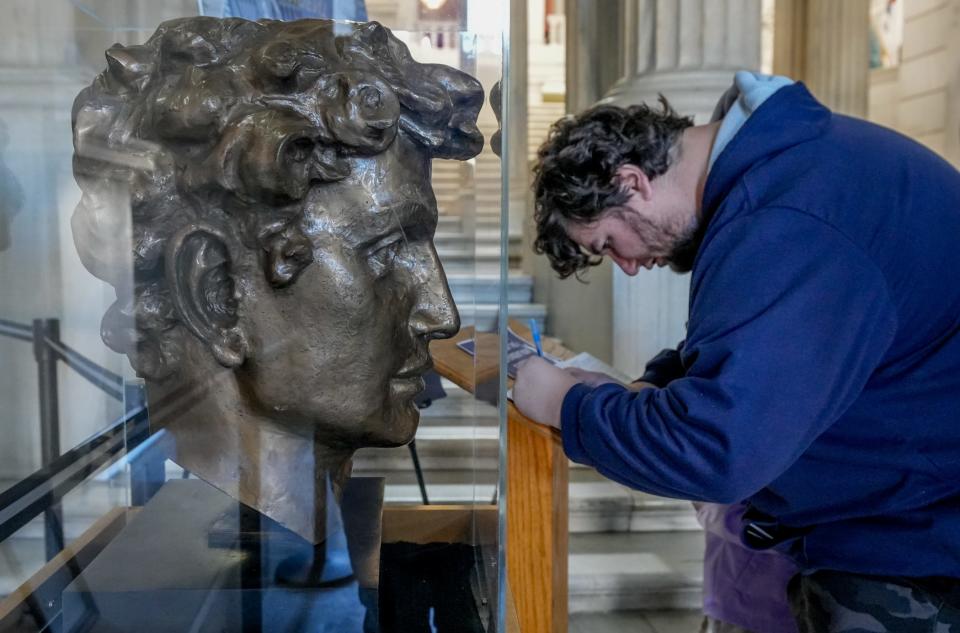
743, 586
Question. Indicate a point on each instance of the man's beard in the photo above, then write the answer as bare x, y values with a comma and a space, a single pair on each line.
686, 242
684, 251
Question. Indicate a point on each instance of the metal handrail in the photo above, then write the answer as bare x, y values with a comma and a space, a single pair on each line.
44, 488
97, 375
12, 329
60, 473
100, 377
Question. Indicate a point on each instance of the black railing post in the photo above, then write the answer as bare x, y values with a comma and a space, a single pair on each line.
418, 471
45, 330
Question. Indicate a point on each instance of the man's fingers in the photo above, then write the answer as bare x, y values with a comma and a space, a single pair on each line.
592, 378
539, 390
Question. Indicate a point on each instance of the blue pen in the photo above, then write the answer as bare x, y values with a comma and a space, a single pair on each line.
536, 337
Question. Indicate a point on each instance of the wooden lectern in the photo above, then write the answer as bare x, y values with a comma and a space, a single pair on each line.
537, 488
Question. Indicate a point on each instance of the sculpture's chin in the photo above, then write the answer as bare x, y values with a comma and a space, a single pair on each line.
401, 427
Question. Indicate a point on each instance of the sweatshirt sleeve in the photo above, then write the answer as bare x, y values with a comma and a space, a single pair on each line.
788, 321
664, 368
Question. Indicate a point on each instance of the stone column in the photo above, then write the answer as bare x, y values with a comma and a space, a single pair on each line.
825, 44
686, 50
593, 33
516, 122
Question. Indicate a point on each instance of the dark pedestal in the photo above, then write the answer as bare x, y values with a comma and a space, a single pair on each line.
195, 560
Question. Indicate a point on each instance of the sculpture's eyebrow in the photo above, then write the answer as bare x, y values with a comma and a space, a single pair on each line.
409, 219
400, 225
405, 216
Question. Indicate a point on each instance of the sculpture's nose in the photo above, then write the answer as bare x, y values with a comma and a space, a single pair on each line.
434, 314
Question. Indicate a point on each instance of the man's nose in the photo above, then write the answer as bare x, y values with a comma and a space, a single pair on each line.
628, 266
434, 313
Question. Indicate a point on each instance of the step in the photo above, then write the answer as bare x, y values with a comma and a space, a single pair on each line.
449, 223
649, 571
478, 253
441, 493
604, 506
486, 267
484, 316
482, 237
451, 447
490, 225
450, 412
485, 288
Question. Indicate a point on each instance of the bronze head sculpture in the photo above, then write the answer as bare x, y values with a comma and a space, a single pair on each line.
282, 284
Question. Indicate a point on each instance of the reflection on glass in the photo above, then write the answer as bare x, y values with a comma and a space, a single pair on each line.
11, 193
259, 198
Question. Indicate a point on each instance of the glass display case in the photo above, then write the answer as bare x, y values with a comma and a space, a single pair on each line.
232, 235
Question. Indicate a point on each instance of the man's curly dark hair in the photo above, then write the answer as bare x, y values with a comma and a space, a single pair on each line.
575, 176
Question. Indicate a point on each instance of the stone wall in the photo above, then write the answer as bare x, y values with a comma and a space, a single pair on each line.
921, 97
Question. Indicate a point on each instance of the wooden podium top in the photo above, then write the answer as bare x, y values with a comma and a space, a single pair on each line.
468, 371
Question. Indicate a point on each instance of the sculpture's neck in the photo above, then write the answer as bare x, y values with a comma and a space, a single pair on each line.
288, 477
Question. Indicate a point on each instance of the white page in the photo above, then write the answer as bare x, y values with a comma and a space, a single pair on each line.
589, 362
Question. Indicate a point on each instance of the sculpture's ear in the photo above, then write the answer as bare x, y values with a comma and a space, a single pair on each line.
199, 273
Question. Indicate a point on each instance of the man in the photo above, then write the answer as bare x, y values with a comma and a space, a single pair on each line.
821, 369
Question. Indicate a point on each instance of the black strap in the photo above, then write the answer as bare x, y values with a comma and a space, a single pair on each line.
762, 531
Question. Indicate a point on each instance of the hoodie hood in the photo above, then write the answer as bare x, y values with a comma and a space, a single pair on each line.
788, 117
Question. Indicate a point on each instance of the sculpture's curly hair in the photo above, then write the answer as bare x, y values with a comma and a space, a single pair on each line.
234, 121
575, 176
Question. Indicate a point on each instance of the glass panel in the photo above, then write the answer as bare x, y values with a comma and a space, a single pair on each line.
218, 300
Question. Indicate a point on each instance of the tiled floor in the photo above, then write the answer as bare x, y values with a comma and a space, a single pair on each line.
636, 622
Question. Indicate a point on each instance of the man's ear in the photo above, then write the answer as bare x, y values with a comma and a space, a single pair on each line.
634, 180
199, 273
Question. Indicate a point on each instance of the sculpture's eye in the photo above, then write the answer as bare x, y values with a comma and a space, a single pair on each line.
384, 254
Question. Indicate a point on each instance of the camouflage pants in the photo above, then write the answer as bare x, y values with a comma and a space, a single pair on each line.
836, 602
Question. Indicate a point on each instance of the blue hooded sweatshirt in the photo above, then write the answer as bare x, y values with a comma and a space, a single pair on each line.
821, 370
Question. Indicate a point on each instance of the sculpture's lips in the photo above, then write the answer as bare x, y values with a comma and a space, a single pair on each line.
415, 368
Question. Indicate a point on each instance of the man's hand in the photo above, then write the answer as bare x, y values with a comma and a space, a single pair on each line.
596, 378
539, 390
